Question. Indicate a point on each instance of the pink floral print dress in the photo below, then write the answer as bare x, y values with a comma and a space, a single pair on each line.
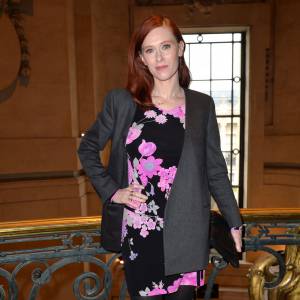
153, 146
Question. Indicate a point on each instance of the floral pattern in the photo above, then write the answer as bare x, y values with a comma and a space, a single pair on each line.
153, 146
184, 279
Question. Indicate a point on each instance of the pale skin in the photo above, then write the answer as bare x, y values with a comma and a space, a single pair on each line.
160, 53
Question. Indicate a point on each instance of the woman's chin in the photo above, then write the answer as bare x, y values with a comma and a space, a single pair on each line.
163, 77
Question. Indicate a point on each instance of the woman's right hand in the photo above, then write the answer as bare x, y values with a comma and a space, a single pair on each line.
130, 196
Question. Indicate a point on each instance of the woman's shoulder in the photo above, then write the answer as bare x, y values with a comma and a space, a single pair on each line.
198, 95
119, 96
200, 101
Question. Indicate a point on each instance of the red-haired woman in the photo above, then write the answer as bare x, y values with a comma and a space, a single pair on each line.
165, 162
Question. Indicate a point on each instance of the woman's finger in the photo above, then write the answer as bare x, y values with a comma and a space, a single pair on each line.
238, 245
136, 187
237, 238
139, 196
137, 199
133, 204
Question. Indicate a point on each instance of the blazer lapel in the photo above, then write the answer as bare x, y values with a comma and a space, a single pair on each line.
195, 120
187, 137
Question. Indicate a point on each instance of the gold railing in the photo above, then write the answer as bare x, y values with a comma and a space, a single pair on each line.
32, 227
49, 226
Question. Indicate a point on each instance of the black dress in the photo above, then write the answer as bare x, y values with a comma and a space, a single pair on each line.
154, 144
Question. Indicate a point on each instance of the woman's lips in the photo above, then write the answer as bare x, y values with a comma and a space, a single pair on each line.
159, 68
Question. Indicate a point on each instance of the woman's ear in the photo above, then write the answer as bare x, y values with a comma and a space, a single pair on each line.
181, 48
142, 58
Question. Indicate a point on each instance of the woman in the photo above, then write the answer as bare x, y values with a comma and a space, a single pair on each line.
165, 162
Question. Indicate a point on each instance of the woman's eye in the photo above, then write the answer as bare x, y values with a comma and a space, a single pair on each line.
166, 46
149, 51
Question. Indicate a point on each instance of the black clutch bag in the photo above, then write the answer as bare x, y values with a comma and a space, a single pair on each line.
111, 226
221, 239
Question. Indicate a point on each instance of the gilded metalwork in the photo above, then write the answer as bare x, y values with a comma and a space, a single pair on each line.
258, 274
289, 285
263, 232
49, 226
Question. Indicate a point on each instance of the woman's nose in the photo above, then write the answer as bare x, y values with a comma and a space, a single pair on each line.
158, 55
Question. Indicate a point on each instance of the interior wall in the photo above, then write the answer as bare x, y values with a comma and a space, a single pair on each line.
75, 59
39, 126
281, 182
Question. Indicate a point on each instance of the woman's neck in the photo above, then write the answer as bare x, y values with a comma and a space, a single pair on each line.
166, 95
167, 89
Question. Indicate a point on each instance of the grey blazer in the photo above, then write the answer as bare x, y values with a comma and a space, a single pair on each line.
201, 172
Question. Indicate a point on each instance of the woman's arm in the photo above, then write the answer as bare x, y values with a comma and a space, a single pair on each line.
92, 143
219, 184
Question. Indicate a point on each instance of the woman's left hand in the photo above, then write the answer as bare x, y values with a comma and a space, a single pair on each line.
237, 237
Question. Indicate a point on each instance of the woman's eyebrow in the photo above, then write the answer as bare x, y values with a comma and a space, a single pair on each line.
166, 41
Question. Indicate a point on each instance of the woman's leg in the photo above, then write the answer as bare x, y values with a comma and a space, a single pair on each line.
158, 297
185, 292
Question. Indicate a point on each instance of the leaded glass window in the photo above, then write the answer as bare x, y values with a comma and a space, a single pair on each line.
217, 65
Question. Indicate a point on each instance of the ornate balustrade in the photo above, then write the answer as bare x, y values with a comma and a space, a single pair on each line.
50, 245
264, 229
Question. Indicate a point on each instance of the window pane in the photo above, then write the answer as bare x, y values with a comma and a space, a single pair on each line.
201, 86
233, 166
235, 169
228, 159
221, 92
187, 55
236, 97
221, 61
237, 37
219, 37
236, 59
236, 126
191, 38
225, 133
236, 192
200, 61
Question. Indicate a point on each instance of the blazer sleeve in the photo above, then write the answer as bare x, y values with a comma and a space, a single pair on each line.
218, 181
94, 141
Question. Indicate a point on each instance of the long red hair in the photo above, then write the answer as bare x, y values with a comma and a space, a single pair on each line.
140, 81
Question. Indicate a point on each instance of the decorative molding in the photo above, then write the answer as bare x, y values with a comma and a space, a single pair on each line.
40, 176
203, 6
270, 69
278, 165
194, 2
15, 10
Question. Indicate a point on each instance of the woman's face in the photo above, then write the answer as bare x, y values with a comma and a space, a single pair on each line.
160, 52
